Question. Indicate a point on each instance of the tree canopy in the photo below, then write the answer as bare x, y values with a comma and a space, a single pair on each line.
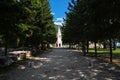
26, 22
92, 20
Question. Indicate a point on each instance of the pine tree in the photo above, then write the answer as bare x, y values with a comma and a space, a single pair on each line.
93, 20
45, 24
9, 19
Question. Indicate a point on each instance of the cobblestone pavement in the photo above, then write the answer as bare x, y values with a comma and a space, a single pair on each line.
64, 64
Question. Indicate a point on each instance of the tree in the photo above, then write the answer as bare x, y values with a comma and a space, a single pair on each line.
38, 20
45, 24
93, 20
9, 19
23, 21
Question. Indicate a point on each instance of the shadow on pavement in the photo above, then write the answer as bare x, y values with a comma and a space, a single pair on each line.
64, 64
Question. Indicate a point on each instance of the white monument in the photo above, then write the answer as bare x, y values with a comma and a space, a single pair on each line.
59, 38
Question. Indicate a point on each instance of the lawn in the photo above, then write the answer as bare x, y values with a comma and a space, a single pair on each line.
105, 51
104, 55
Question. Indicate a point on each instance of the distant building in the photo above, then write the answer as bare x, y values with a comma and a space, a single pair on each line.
59, 37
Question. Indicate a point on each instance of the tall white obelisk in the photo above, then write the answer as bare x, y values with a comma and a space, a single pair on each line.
59, 38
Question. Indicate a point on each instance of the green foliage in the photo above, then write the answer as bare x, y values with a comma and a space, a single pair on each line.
92, 20
26, 22
9, 19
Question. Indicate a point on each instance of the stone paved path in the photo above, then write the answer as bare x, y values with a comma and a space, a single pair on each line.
64, 64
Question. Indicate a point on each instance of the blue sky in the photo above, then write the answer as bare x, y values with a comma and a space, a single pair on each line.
58, 8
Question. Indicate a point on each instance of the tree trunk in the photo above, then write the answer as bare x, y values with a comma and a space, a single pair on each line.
23, 46
68, 45
43, 46
6, 48
87, 46
110, 44
95, 48
114, 44
104, 45
83, 48
78, 46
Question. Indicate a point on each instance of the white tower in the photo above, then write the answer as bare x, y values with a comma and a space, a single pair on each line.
59, 38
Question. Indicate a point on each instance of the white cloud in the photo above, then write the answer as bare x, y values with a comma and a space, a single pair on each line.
59, 21
52, 13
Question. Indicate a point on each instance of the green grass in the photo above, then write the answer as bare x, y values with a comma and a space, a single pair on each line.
117, 51
105, 51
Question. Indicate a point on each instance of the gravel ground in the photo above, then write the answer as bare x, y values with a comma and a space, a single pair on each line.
63, 64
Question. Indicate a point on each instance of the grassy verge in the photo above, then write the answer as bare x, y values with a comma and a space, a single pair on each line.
117, 51
103, 54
